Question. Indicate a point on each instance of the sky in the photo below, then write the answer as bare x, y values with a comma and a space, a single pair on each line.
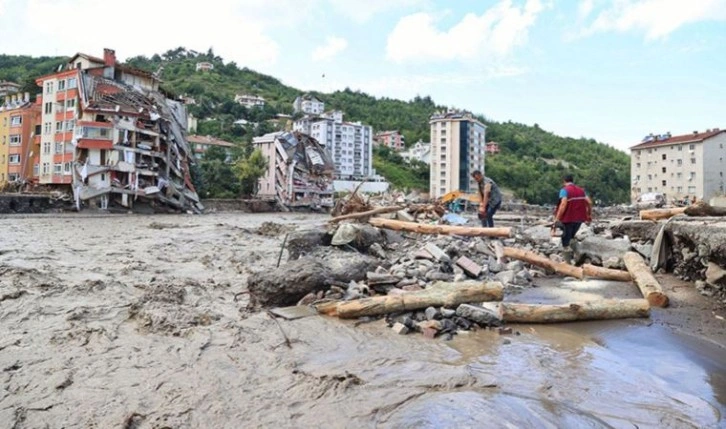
612, 70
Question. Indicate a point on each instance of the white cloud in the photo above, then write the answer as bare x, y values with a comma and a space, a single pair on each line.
237, 31
332, 47
585, 8
362, 11
495, 33
656, 18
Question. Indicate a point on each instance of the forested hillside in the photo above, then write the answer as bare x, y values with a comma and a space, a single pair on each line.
530, 164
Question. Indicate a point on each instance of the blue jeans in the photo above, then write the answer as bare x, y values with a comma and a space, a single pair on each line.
487, 220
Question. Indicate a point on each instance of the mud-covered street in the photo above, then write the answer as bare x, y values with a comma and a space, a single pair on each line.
142, 322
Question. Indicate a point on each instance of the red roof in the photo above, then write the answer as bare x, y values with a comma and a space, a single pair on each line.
685, 138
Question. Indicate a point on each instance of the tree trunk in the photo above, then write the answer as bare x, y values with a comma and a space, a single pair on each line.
657, 214
701, 208
590, 310
643, 277
369, 213
544, 262
439, 294
422, 228
606, 273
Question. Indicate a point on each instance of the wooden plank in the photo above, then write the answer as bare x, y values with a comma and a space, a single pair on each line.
423, 228
592, 310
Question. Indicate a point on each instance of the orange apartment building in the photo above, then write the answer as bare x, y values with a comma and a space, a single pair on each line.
18, 119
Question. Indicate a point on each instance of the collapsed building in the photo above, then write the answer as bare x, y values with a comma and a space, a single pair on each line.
127, 139
300, 171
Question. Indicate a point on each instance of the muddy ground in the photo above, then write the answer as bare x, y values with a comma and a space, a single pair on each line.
140, 322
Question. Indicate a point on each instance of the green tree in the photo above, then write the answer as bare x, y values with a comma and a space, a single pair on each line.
249, 171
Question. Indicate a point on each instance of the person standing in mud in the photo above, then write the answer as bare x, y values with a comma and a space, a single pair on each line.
574, 208
490, 197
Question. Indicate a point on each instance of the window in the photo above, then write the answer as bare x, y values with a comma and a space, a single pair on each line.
680, 162
663, 169
443, 182
48, 108
693, 160
46, 128
650, 189
46, 168
679, 189
637, 165
692, 175
679, 175
46, 147
13, 177
49, 87
15, 140
663, 183
70, 125
71, 82
59, 148
650, 177
16, 120
691, 147
650, 151
691, 189
36, 170
664, 157
637, 177
58, 127
57, 168
680, 149
61, 85
14, 159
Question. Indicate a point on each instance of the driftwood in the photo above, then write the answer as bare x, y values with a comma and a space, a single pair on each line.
368, 213
658, 214
591, 310
606, 273
439, 294
701, 208
645, 280
423, 228
544, 262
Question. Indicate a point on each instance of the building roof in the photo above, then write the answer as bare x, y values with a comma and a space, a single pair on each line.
88, 57
667, 139
208, 140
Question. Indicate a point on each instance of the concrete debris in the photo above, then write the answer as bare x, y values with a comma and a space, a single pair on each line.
471, 268
400, 328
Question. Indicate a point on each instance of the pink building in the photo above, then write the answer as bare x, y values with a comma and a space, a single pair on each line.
492, 147
392, 139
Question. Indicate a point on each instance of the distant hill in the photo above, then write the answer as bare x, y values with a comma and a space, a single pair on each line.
530, 164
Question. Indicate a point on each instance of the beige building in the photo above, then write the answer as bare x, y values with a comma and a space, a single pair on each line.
679, 166
457, 149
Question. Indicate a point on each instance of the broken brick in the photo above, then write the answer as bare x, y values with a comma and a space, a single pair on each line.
471, 268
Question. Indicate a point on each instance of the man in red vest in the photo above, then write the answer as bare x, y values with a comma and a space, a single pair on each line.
574, 208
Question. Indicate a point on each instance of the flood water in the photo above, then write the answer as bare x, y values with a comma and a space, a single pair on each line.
140, 322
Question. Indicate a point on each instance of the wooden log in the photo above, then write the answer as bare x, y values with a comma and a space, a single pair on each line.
606, 273
702, 208
439, 294
658, 214
591, 310
423, 228
369, 213
544, 262
643, 277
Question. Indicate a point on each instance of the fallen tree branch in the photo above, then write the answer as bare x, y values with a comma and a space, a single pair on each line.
701, 208
592, 310
439, 294
369, 213
544, 262
658, 214
288, 343
643, 277
423, 228
606, 273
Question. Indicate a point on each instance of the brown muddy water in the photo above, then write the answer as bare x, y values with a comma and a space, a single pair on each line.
139, 322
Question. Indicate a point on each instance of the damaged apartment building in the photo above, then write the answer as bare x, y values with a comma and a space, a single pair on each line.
108, 132
300, 171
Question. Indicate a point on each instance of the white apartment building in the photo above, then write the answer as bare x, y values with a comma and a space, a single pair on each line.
350, 144
679, 166
458, 149
308, 104
419, 151
249, 101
